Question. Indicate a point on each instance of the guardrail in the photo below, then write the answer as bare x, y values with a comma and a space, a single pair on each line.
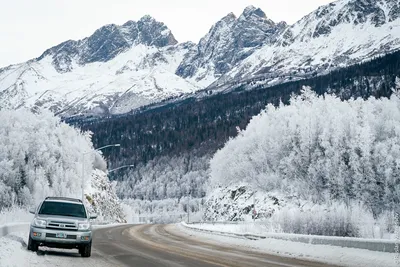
380, 245
11, 228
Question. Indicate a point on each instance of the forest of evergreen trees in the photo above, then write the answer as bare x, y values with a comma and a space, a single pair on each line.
201, 126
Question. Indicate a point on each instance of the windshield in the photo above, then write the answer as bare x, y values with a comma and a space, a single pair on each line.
62, 209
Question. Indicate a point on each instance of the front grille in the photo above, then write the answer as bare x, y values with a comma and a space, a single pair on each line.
68, 226
63, 229
54, 236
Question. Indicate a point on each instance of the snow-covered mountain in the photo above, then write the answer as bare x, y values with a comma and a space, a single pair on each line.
342, 33
109, 41
229, 42
120, 68
117, 69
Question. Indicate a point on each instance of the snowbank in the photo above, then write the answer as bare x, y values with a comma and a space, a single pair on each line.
14, 253
252, 231
340, 256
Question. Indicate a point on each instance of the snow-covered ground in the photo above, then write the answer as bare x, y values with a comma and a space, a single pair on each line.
263, 228
14, 253
322, 253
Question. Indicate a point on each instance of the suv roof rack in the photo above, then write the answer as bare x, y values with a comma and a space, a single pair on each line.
64, 198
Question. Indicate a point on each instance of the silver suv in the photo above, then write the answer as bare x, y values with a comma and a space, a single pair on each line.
61, 223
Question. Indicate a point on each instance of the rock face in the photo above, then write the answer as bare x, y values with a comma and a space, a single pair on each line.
238, 202
336, 35
228, 42
109, 41
368, 12
121, 68
102, 200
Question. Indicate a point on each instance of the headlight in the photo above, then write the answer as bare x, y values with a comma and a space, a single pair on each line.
39, 223
83, 226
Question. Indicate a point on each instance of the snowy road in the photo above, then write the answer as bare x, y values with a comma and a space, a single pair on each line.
141, 245
174, 245
166, 245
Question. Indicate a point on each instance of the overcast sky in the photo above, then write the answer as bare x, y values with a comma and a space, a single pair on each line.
28, 27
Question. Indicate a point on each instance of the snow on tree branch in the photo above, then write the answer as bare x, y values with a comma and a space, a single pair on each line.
320, 148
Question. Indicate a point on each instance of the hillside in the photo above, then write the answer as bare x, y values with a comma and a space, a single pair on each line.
198, 127
203, 124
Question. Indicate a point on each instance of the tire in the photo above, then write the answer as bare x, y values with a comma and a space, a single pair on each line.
32, 245
86, 250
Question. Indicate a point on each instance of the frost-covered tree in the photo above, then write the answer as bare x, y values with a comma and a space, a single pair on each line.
320, 148
41, 156
166, 178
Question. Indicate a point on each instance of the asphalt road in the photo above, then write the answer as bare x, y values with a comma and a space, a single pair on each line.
164, 245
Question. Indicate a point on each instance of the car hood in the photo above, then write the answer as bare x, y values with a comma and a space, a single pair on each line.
62, 218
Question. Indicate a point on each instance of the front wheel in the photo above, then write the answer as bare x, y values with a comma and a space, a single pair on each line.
32, 245
86, 250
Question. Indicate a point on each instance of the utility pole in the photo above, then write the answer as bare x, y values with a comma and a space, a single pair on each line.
254, 207
188, 211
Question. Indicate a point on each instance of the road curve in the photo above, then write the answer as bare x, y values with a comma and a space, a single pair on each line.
163, 245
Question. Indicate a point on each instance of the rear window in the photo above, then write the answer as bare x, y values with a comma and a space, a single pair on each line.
62, 209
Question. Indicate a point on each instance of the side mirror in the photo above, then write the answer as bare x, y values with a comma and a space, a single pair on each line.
93, 216
32, 210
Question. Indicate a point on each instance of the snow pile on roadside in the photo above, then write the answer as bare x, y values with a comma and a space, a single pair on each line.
321, 253
14, 253
277, 213
252, 228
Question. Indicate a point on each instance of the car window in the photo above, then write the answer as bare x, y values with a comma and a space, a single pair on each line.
62, 209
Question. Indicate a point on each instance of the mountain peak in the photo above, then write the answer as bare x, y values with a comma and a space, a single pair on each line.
229, 17
228, 42
147, 18
109, 41
252, 10
249, 9
129, 23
